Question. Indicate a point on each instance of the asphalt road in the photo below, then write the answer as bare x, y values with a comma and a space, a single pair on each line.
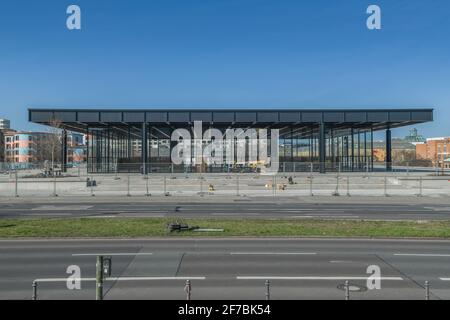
372, 210
228, 269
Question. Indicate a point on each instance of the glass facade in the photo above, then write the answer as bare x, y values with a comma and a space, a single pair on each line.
327, 140
114, 149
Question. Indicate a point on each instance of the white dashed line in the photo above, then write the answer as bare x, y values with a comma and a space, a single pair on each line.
273, 253
317, 278
113, 254
421, 255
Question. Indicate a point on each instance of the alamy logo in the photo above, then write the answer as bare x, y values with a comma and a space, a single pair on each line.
374, 20
374, 280
73, 22
74, 280
236, 146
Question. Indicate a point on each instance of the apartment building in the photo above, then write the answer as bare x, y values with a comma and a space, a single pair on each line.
2, 146
435, 149
23, 149
5, 124
76, 148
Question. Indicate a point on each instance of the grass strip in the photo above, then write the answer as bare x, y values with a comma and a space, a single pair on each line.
156, 227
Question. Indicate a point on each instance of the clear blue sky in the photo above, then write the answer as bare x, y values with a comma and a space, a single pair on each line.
225, 53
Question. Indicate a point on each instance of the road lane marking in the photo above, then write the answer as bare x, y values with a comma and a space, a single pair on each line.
133, 211
421, 255
295, 210
112, 254
61, 207
133, 216
317, 278
47, 214
119, 279
154, 278
231, 214
301, 217
444, 279
438, 208
336, 216
273, 253
99, 217
63, 279
322, 216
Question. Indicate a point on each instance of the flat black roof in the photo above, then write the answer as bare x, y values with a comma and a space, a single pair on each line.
377, 119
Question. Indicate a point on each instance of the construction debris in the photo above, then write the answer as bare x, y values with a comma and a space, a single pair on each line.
180, 227
281, 186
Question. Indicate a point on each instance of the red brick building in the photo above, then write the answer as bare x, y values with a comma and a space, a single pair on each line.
435, 149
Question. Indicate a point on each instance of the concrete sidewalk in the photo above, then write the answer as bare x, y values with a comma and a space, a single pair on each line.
230, 186
214, 199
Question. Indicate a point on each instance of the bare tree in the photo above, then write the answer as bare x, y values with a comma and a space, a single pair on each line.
48, 146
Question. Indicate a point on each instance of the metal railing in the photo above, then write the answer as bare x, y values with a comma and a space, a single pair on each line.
103, 273
188, 285
171, 180
292, 184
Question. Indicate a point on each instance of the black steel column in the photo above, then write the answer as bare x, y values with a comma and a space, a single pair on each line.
108, 151
322, 147
88, 145
371, 148
332, 149
150, 142
292, 147
388, 150
359, 150
129, 145
365, 149
144, 148
311, 155
64, 151
192, 142
353, 148
98, 153
338, 150
347, 160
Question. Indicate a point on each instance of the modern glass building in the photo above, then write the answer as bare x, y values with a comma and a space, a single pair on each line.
322, 140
